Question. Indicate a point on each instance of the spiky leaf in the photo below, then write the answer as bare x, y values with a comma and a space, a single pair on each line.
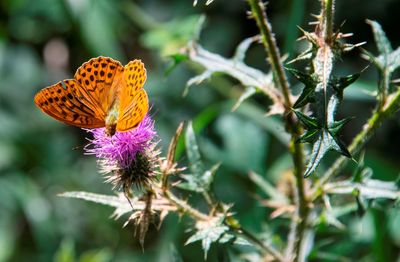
307, 95
340, 83
176, 59
208, 232
309, 122
382, 42
336, 126
200, 178
242, 48
310, 136
325, 142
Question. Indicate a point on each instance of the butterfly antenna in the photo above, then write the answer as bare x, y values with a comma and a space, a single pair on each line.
82, 146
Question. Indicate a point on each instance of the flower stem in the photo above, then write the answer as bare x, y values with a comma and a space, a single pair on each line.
185, 208
268, 249
361, 139
327, 16
269, 42
296, 149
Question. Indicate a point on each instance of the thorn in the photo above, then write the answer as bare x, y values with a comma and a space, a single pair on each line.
249, 15
127, 194
341, 35
265, 4
396, 81
313, 23
360, 44
342, 24
365, 68
301, 38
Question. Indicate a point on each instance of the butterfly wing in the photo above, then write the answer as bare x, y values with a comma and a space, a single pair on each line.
99, 79
134, 103
61, 102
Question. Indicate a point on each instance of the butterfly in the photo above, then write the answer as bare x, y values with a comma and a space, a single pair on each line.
103, 93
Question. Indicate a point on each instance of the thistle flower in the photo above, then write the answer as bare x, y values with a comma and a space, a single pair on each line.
127, 158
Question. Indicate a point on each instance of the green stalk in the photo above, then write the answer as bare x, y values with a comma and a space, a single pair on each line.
296, 149
185, 208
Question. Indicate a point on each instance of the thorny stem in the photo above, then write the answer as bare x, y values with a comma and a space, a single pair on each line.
327, 14
360, 140
296, 149
265, 247
185, 208
325, 31
383, 87
268, 40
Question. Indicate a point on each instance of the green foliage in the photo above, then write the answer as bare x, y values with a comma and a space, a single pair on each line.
200, 178
387, 61
243, 212
66, 253
170, 37
325, 92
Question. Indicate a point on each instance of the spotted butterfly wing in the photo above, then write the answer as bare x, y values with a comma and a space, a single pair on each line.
62, 103
134, 103
100, 79
103, 93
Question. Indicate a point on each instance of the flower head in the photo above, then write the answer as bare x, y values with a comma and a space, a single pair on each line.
127, 157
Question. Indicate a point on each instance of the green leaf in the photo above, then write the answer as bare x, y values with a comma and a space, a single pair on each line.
310, 136
66, 252
381, 40
340, 83
192, 151
336, 126
394, 60
339, 146
199, 184
102, 255
306, 96
174, 254
325, 142
200, 178
367, 188
306, 79
231, 238
309, 122
169, 38
176, 59
375, 60
120, 203
208, 232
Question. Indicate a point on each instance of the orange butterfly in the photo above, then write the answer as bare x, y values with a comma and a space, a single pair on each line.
103, 93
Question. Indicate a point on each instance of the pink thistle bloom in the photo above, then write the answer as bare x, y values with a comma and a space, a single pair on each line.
128, 157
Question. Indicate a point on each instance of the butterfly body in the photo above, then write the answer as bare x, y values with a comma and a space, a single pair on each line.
103, 93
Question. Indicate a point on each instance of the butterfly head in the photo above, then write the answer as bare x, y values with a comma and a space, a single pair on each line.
111, 129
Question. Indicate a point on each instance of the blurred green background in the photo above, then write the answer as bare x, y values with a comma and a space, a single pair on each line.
45, 41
